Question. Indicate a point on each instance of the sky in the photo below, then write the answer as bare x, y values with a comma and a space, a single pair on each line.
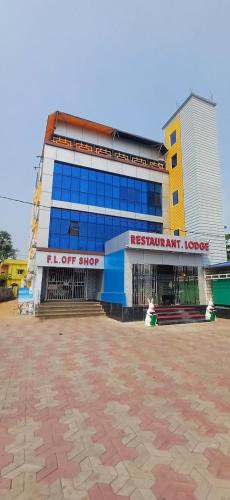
125, 63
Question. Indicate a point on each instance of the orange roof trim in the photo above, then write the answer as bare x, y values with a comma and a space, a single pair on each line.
60, 117
76, 121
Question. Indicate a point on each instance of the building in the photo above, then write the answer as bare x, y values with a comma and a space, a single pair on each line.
119, 218
13, 272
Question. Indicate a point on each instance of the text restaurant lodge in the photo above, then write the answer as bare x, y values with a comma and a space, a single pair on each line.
119, 218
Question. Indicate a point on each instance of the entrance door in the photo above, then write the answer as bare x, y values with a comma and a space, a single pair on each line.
144, 283
166, 285
66, 284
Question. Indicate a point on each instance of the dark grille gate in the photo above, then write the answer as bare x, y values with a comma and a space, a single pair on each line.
144, 284
67, 284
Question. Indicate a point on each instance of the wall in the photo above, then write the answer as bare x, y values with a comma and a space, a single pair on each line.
6, 294
176, 212
114, 278
202, 179
100, 139
52, 153
195, 121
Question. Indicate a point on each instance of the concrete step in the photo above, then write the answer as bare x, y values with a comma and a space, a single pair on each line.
69, 314
76, 307
68, 304
68, 309
180, 314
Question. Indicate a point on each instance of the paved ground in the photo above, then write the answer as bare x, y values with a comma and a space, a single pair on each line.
102, 410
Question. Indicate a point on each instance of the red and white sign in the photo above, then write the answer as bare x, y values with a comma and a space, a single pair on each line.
53, 259
167, 243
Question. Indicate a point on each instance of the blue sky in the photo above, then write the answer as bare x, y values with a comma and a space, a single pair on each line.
127, 63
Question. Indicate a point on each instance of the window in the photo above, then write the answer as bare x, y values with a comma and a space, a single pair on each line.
174, 161
154, 199
83, 185
177, 232
173, 137
74, 228
20, 271
175, 198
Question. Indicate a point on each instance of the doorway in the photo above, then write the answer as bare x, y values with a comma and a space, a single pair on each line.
67, 284
167, 285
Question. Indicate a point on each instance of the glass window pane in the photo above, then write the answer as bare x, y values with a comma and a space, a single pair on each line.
76, 172
84, 187
64, 227
57, 180
75, 184
64, 242
56, 194
84, 174
173, 137
54, 242
74, 197
66, 170
92, 187
65, 214
65, 195
83, 198
57, 168
92, 175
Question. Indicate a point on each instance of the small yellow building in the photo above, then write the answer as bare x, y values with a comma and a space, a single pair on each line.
12, 272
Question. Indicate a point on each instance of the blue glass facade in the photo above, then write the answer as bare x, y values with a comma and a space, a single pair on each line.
94, 229
77, 184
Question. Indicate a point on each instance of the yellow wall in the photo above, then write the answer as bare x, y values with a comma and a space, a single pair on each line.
37, 193
34, 223
176, 212
10, 268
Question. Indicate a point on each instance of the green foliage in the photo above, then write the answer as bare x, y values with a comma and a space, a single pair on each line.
6, 246
227, 238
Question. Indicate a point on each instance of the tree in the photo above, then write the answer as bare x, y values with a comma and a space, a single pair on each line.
227, 238
6, 246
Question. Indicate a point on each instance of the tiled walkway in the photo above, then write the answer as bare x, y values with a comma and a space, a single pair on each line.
95, 409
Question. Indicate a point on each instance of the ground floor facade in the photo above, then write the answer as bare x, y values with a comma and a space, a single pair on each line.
128, 274
166, 284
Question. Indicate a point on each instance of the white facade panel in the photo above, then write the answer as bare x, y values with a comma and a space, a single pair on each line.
119, 144
162, 258
157, 243
202, 180
105, 211
104, 164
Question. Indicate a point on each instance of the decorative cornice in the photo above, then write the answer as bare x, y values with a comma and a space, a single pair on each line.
104, 152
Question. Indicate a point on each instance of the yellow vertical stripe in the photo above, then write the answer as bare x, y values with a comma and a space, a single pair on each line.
176, 212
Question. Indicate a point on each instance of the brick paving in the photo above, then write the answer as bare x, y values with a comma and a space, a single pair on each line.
94, 409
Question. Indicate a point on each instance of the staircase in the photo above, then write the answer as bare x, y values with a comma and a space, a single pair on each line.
68, 309
170, 315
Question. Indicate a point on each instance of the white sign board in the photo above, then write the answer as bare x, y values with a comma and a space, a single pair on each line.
70, 260
167, 243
